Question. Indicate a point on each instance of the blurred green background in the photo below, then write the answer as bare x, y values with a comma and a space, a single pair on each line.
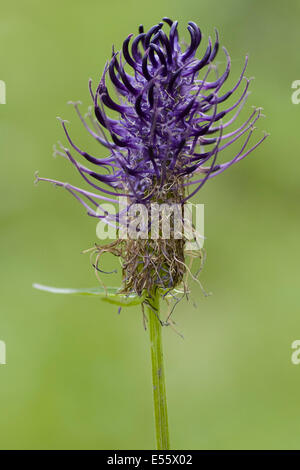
77, 374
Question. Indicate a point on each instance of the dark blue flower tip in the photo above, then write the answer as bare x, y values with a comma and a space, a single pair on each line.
171, 118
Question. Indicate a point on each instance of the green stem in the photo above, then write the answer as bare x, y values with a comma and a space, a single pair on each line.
158, 375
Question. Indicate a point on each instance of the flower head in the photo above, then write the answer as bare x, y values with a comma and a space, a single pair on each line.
170, 124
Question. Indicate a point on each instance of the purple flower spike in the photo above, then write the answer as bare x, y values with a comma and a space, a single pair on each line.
170, 122
166, 111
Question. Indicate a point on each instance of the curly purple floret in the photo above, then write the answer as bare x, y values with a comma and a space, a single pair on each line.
168, 121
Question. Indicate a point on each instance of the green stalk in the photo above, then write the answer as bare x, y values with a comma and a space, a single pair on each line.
158, 376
